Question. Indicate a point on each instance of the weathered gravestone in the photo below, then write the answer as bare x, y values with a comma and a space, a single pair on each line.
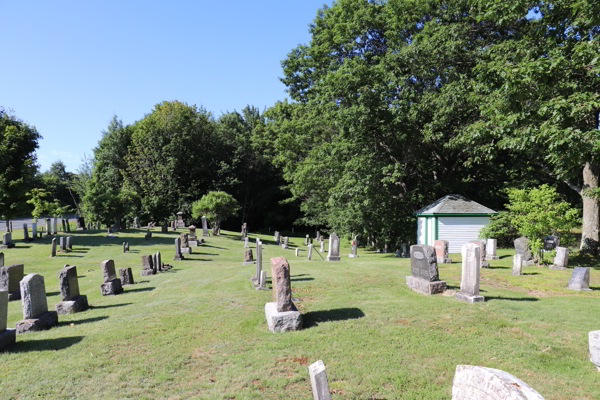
246, 244
185, 243
148, 267
258, 280
517, 268
244, 230
89, 225
322, 242
551, 242
112, 284
480, 383
36, 316
594, 348
482, 252
124, 247
192, 229
136, 223
490, 250
53, 248
580, 279
297, 252
7, 336
1, 259
318, 236
334, 247
178, 255
33, 230
469, 279
310, 249
164, 228
319, 381
306, 240
282, 314
441, 251
48, 227
561, 260
354, 250
148, 235
7, 242
63, 244
159, 259
405, 250
54, 224
425, 276
179, 223
71, 301
25, 233
248, 259
10, 277
522, 248
204, 227
155, 263
284, 245
398, 253
69, 243
126, 276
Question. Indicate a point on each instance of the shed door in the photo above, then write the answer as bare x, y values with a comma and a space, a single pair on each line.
460, 230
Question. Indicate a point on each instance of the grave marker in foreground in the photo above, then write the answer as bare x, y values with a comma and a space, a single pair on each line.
71, 301
425, 276
282, 314
480, 383
469, 279
36, 316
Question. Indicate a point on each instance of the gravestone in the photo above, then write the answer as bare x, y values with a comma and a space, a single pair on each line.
71, 301
64, 225
148, 235
248, 259
192, 229
53, 247
246, 245
63, 244
334, 247
178, 255
425, 277
398, 253
282, 314
405, 250
48, 227
10, 277
109, 230
284, 245
244, 230
257, 281
441, 251
33, 230
594, 348
517, 268
310, 248
490, 250
155, 263
1, 259
469, 274
319, 381
69, 243
263, 280
179, 223
551, 242
68, 226
124, 247
54, 223
7, 336
89, 225
136, 223
164, 228
204, 227
522, 248
481, 383
112, 284
36, 316
561, 260
306, 240
354, 250
126, 276
80, 224
148, 267
159, 266
318, 236
482, 252
7, 242
297, 252
25, 233
185, 243
580, 279
322, 248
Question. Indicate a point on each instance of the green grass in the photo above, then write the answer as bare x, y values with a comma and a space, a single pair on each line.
199, 330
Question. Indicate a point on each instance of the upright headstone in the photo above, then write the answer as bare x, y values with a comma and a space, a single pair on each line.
7, 336
136, 223
157, 268
551, 242
480, 383
178, 255
398, 253
405, 250
248, 259
580, 279
244, 230
71, 301
522, 248
257, 282
204, 227
159, 265
53, 247
277, 238
185, 243
36, 316
284, 245
112, 284
425, 276
297, 252
7, 242
89, 225
306, 240
126, 276
310, 248
148, 267
469, 279
441, 251
318, 381
517, 268
282, 314
490, 250
192, 229
64, 224
63, 244
164, 228
124, 247
33, 230
54, 223
561, 260
246, 244
10, 277
594, 348
354, 250
48, 227
69, 243
318, 236
334, 247
482, 252
25, 233
322, 248
1, 259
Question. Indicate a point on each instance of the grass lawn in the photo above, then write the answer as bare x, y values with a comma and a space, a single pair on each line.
198, 331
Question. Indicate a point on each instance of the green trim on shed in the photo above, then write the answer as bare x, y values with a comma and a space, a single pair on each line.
455, 215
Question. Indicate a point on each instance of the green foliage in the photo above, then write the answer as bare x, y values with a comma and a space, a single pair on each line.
57, 182
216, 207
502, 228
45, 207
539, 212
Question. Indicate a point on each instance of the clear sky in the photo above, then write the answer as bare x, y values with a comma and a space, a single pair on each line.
69, 66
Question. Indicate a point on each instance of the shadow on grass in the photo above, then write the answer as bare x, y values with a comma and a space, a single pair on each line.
450, 287
595, 287
110, 306
296, 276
44, 344
67, 256
145, 289
302, 279
52, 293
188, 258
214, 247
489, 298
82, 321
79, 251
507, 256
531, 273
585, 260
313, 318
497, 267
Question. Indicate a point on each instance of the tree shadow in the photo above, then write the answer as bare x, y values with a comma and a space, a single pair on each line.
82, 321
595, 287
52, 293
507, 256
296, 276
146, 289
110, 306
450, 287
490, 267
194, 259
67, 256
313, 318
531, 273
214, 247
21, 247
489, 298
25, 346
302, 279
79, 251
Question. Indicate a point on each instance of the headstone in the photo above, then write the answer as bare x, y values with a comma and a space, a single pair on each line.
318, 381
178, 255
109, 230
405, 250
89, 225
322, 249
63, 244
53, 247
69, 241
10, 277
244, 230
136, 223
482, 252
263, 279
25, 233
246, 245
124, 247
204, 227
354, 250
68, 226
441, 251
398, 253
48, 227
318, 236
334, 247
71, 301
7, 336
284, 245
310, 248
148, 267
551, 242
306, 240
561, 260
159, 265
282, 314
112, 284
126, 276
36, 316
248, 259
192, 229
580, 279
425, 276
490, 249
54, 223
256, 279
469, 279
517, 268
1, 259
522, 248
277, 238
164, 228
7, 242
148, 235
297, 252
33, 230
481, 383
157, 268
594, 348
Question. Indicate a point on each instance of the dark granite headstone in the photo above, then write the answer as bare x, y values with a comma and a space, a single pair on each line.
424, 262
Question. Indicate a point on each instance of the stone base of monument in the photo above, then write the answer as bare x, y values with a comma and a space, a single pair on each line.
45, 321
193, 243
352, 255
469, 298
111, 287
7, 338
441, 260
528, 263
7, 246
492, 257
556, 267
186, 250
333, 258
147, 272
178, 257
282, 321
249, 263
426, 287
16, 295
73, 306
485, 264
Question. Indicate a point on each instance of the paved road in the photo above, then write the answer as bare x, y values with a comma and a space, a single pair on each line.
18, 223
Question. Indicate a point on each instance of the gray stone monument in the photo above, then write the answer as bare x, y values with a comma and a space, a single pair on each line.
334, 247
248, 258
7, 242
522, 248
71, 301
204, 227
425, 277
25, 233
319, 381
354, 250
10, 277
112, 284
282, 314
322, 248
482, 252
310, 248
277, 238
398, 253
1, 259
178, 255
126, 276
551, 242
580, 279
7, 336
469, 279
63, 244
284, 245
517, 268
405, 250
246, 244
594, 348
33, 230
69, 243
297, 252
148, 267
36, 316
185, 243
561, 260
136, 223
318, 236
480, 383
48, 227
491, 246
258, 281
53, 247
306, 240
54, 223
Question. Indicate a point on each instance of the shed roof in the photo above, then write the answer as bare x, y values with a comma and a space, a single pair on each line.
455, 204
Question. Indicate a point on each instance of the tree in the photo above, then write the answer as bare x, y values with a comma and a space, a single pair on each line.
216, 207
18, 142
57, 182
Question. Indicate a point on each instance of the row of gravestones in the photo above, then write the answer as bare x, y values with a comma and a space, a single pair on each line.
65, 243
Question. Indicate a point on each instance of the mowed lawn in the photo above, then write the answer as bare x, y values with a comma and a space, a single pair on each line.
198, 331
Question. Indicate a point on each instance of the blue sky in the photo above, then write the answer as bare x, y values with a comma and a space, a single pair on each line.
68, 66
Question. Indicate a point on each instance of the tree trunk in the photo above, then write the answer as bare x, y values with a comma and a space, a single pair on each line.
591, 210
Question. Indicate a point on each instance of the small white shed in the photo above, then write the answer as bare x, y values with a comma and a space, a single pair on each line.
453, 218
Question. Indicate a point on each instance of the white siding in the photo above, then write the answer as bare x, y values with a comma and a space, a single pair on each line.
421, 230
430, 231
460, 230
